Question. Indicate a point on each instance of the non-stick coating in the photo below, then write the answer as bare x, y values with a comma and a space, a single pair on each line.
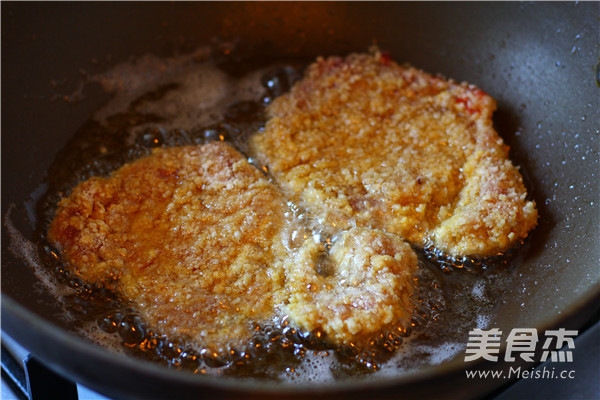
539, 60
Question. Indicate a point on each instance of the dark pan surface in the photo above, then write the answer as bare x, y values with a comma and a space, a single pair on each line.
539, 60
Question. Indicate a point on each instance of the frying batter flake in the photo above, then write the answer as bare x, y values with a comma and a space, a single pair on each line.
195, 236
362, 141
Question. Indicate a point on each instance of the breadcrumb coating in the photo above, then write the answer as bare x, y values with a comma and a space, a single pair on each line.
203, 245
195, 236
367, 291
362, 141
207, 247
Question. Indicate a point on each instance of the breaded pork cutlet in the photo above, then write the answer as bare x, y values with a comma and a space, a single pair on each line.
194, 236
365, 288
362, 141
203, 245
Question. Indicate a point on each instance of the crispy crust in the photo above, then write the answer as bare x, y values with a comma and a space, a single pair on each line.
202, 242
362, 141
368, 290
194, 235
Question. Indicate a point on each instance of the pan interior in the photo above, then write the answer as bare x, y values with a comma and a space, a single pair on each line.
552, 131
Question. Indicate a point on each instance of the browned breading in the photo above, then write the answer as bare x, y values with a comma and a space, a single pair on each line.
362, 141
206, 247
202, 243
367, 291
195, 236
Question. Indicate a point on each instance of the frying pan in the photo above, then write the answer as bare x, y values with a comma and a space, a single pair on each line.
539, 60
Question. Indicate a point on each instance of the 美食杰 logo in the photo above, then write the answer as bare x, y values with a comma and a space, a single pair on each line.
556, 346
521, 342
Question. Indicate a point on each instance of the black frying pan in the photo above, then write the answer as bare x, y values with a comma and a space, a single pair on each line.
540, 61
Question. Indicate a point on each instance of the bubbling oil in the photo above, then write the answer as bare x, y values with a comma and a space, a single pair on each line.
197, 100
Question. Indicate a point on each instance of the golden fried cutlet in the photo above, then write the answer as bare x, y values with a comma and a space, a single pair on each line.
195, 236
366, 291
362, 141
